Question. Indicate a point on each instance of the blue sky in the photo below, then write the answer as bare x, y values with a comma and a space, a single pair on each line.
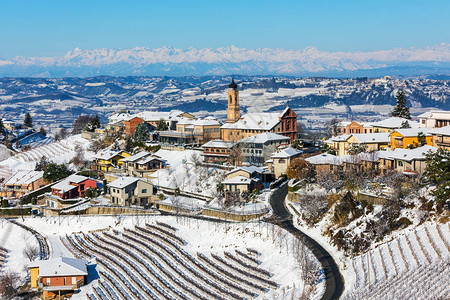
50, 28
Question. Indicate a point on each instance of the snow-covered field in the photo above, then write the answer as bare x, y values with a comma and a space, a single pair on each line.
417, 258
274, 245
15, 239
405, 265
182, 172
59, 152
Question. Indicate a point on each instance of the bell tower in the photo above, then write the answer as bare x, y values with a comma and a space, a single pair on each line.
233, 110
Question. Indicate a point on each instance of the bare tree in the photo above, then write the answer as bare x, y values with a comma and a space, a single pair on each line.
78, 160
309, 267
236, 154
331, 127
31, 252
9, 285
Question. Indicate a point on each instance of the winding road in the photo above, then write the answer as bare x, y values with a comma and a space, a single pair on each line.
334, 284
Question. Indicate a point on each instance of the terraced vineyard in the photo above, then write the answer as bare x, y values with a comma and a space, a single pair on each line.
49, 150
3, 257
413, 266
151, 263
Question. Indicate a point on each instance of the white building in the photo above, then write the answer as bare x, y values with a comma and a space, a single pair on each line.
434, 119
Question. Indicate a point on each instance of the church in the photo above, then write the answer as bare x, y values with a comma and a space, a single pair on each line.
237, 127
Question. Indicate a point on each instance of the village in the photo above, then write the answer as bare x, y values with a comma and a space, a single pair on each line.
152, 168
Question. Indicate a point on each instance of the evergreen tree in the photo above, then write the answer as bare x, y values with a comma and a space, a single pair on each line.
54, 172
405, 124
28, 121
42, 131
401, 110
421, 138
129, 144
80, 123
142, 132
63, 133
437, 172
297, 144
96, 122
2, 128
162, 125
42, 163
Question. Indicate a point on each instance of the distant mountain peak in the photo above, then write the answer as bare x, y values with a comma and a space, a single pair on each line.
223, 60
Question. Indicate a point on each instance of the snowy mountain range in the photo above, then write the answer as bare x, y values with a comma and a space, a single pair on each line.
171, 61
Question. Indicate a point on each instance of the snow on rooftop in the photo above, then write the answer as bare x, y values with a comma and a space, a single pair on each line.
64, 186
256, 121
218, 144
118, 117
286, 153
264, 137
158, 115
123, 182
379, 137
107, 154
409, 132
324, 159
61, 266
429, 114
441, 131
394, 123
136, 157
24, 177
76, 178
411, 154
338, 138
238, 180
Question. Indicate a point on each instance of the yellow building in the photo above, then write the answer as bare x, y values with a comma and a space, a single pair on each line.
107, 160
372, 141
441, 137
390, 124
203, 130
409, 138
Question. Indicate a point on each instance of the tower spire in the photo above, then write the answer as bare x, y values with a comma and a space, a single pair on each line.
233, 110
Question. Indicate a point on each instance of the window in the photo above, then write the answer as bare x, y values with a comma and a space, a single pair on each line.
48, 281
144, 191
230, 99
65, 281
74, 280
400, 163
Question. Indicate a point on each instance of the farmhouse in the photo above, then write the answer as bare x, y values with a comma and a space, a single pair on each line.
127, 191
434, 119
21, 183
282, 159
59, 276
441, 137
218, 152
142, 164
108, 159
390, 124
404, 138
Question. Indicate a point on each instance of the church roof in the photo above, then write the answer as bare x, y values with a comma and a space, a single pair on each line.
233, 85
258, 121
